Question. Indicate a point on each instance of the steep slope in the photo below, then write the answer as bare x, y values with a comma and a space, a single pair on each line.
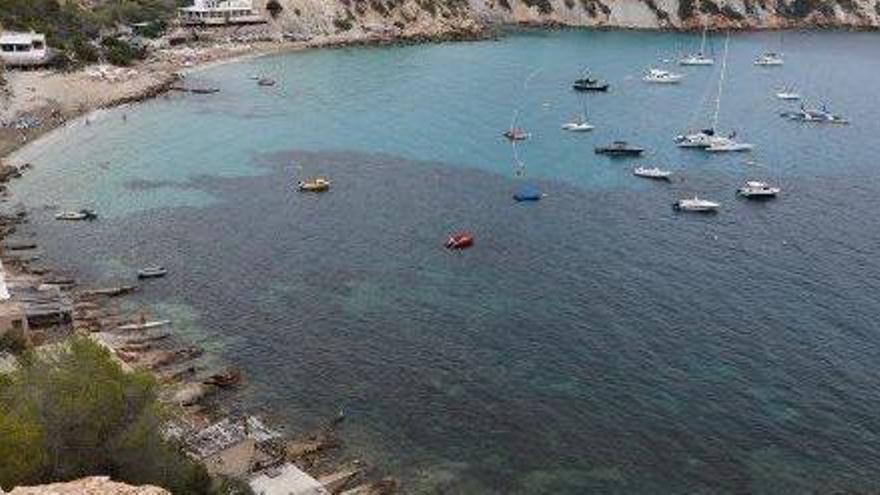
414, 18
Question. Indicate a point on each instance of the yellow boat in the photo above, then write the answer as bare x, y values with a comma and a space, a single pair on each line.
313, 185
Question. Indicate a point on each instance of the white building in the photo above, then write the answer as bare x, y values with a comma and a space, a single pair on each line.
220, 12
23, 49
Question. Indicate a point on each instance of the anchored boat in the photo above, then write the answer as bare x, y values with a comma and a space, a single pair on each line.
318, 184
758, 190
587, 83
698, 59
619, 148
817, 116
152, 272
696, 205
83, 214
460, 240
655, 173
660, 76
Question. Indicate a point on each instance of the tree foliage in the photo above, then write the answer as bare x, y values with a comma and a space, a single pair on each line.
76, 413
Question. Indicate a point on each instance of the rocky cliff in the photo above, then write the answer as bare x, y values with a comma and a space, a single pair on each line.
433, 18
96, 485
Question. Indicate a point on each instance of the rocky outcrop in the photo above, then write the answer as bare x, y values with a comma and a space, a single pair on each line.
438, 18
96, 485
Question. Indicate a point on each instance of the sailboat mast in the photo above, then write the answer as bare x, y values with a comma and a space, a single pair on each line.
703, 42
721, 83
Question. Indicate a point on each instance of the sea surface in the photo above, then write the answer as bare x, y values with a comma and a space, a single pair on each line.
593, 342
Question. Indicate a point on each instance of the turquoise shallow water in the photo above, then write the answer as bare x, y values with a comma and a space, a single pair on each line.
593, 342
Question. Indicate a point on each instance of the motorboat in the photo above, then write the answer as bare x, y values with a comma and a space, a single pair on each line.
146, 325
266, 81
758, 190
722, 144
769, 59
699, 139
619, 148
820, 116
655, 173
788, 93
579, 124
83, 214
660, 76
460, 240
516, 134
318, 184
527, 193
152, 272
697, 59
204, 91
696, 205
589, 84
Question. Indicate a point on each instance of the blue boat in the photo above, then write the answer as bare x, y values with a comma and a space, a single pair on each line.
527, 193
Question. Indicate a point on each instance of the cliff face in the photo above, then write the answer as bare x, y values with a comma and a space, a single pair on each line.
415, 18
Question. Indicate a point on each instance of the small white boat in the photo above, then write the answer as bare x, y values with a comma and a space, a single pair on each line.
696, 59
660, 76
769, 59
152, 272
579, 124
655, 173
145, 325
721, 144
76, 215
318, 184
696, 205
757, 190
788, 94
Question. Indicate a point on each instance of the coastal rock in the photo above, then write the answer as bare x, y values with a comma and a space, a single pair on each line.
95, 485
418, 19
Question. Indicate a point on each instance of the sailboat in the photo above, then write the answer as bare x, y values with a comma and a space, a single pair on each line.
699, 58
771, 58
579, 124
514, 133
708, 139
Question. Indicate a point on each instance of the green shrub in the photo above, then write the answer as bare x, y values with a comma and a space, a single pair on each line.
74, 412
274, 7
343, 23
121, 53
543, 6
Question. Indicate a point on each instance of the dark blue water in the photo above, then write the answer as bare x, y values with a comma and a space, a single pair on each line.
595, 342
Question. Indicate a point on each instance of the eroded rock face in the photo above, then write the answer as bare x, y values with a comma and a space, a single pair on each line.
415, 18
95, 485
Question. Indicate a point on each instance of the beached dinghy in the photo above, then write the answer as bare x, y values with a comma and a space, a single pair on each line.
145, 325
318, 184
460, 240
76, 215
655, 173
152, 272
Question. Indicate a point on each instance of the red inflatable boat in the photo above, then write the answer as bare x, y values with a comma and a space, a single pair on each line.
461, 240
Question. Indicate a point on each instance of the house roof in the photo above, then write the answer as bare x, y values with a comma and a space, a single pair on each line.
15, 38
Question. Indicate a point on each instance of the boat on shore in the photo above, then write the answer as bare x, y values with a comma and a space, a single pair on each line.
318, 184
74, 216
619, 148
655, 173
758, 190
152, 272
144, 325
696, 205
